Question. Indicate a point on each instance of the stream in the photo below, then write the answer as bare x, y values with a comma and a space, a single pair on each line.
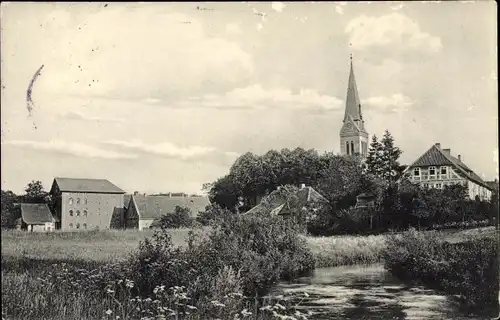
367, 292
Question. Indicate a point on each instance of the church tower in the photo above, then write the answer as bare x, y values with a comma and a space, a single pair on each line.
353, 136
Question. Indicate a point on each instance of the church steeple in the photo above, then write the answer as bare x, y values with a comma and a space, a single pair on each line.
352, 102
353, 136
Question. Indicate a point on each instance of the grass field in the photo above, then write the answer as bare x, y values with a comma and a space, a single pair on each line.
116, 245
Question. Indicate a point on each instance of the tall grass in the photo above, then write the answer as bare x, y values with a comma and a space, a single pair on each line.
346, 250
215, 274
99, 246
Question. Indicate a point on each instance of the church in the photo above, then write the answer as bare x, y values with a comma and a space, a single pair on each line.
353, 135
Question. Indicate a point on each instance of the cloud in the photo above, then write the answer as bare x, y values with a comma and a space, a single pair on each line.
171, 151
144, 59
233, 28
391, 104
73, 149
255, 96
278, 6
394, 29
72, 115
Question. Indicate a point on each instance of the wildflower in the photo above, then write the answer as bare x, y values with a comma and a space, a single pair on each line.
109, 312
265, 308
191, 307
108, 290
245, 312
129, 283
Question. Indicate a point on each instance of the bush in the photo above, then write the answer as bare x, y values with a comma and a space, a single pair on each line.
468, 269
262, 249
180, 218
212, 214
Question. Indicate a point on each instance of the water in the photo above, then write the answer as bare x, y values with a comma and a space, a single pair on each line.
369, 292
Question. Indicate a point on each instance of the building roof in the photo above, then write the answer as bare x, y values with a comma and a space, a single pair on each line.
152, 207
352, 103
493, 184
36, 213
279, 204
86, 185
436, 156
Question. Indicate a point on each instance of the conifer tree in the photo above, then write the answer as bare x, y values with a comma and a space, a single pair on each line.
373, 162
390, 158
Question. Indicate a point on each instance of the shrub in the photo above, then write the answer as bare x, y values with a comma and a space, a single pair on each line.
212, 214
180, 218
468, 269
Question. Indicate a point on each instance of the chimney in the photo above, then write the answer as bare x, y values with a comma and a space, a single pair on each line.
447, 152
302, 185
459, 158
438, 145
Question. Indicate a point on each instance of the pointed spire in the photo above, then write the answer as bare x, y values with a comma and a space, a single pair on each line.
352, 103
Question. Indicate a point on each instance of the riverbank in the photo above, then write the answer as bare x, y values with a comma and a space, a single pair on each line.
467, 269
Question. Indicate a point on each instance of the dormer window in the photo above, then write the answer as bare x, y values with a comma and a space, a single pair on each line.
416, 172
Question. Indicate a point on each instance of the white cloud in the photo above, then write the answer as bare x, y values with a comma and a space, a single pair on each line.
73, 149
392, 29
394, 103
143, 59
255, 96
170, 150
73, 115
278, 6
233, 28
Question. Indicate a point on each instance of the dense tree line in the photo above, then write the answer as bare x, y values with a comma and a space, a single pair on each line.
397, 203
34, 193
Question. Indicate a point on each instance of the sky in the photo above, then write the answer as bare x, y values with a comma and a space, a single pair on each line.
164, 97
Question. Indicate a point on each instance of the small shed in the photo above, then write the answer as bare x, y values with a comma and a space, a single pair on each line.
365, 200
37, 217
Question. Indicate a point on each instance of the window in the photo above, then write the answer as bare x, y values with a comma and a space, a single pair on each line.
71, 213
77, 213
438, 185
78, 226
84, 213
77, 201
71, 225
85, 201
70, 200
352, 147
416, 172
426, 185
444, 170
432, 171
84, 226
347, 147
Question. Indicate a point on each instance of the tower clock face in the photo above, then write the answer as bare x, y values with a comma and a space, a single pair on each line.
348, 127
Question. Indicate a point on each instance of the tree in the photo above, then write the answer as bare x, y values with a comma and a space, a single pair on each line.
8, 210
181, 217
213, 213
35, 193
373, 164
383, 158
390, 156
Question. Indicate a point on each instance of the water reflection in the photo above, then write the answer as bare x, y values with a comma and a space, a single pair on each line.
370, 292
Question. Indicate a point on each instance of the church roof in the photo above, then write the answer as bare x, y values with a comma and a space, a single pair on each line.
436, 156
353, 105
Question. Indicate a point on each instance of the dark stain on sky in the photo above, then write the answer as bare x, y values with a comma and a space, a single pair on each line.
29, 101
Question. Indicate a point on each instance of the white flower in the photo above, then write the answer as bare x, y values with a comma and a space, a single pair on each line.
109, 312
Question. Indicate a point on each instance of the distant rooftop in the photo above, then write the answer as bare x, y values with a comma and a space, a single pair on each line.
36, 213
86, 185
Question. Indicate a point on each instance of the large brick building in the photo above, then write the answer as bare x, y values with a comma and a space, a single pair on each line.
83, 204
